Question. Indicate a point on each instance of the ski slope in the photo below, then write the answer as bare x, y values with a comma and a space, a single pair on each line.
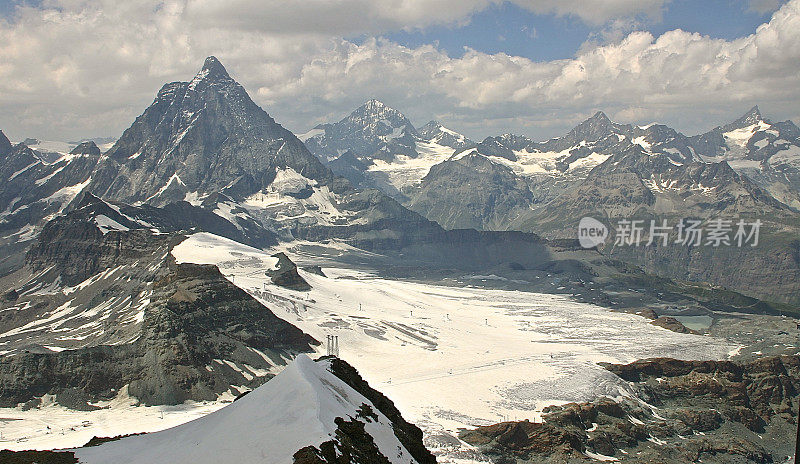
458, 357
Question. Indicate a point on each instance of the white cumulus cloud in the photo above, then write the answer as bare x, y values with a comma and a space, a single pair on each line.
77, 68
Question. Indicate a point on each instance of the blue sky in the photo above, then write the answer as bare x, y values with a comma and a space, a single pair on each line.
513, 30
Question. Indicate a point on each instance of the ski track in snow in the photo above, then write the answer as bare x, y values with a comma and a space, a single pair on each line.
448, 357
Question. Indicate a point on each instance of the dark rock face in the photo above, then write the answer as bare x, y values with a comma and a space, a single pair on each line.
286, 274
670, 323
471, 191
634, 185
373, 130
195, 316
167, 331
351, 443
494, 146
350, 436
37, 457
714, 411
5, 145
524, 439
86, 148
33, 192
202, 136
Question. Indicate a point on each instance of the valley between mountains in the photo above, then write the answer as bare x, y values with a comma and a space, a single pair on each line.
167, 297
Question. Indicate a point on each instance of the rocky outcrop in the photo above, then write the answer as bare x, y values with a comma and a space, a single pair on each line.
32, 192
196, 327
128, 316
5, 145
37, 457
351, 443
471, 192
285, 274
686, 411
670, 323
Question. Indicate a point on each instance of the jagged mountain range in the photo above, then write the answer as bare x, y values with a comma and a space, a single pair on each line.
765, 153
205, 144
603, 169
97, 294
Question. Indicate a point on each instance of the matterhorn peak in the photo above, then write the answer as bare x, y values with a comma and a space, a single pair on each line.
212, 71
375, 103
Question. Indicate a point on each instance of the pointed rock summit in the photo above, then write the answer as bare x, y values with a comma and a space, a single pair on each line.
86, 148
373, 130
753, 116
214, 68
201, 137
213, 72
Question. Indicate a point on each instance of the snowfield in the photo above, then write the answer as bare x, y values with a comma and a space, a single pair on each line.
459, 357
295, 409
448, 357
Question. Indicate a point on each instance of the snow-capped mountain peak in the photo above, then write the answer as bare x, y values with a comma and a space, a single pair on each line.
197, 138
373, 130
435, 132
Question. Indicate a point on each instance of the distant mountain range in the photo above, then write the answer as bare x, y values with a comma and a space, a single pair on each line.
747, 168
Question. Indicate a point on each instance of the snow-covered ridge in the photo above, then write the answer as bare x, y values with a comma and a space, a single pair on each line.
294, 410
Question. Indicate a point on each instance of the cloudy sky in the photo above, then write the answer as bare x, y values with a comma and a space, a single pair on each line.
71, 69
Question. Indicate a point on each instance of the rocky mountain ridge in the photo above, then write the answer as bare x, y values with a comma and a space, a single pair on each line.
683, 411
104, 305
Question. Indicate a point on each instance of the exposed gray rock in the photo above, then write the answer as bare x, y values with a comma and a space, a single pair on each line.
128, 315
373, 130
435, 132
5, 145
714, 411
203, 136
471, 191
